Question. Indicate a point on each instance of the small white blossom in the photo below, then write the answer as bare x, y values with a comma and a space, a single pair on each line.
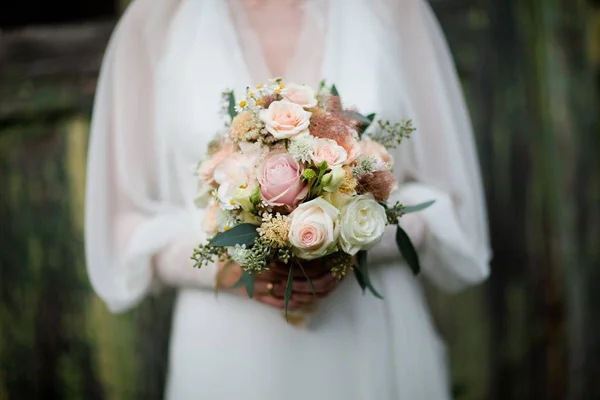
240, 254
302, 147
225, 220
368, 165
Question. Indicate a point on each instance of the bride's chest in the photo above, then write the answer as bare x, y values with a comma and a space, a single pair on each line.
204, 60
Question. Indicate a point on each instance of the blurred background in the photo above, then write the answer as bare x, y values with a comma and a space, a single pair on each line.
531, 73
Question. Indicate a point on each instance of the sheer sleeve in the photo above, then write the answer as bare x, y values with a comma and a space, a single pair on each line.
439, 161
134, 235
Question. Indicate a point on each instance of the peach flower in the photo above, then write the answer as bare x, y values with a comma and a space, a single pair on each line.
206, 169
300, 94
370, 148
353, 149
328, 150
210, 220
285, 120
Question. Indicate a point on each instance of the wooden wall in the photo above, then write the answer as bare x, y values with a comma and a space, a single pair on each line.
531, 73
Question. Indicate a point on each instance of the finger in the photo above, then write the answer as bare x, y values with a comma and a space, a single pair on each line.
301, 269
320, 285
262, 288
267, 276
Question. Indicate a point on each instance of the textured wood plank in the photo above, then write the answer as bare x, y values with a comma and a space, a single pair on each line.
50, 70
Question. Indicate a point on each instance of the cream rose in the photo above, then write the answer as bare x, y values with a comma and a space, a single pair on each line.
362, 224
300, 94
285, 120
314, 229
328, 150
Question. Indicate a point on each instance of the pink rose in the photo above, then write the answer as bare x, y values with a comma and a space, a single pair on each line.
370, 148
328, 150
280, 179
285, 120
300, 94
207, 168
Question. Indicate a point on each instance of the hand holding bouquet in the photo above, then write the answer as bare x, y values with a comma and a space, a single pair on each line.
296, 177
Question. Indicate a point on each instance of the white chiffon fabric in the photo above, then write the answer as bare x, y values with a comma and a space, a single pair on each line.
158, 105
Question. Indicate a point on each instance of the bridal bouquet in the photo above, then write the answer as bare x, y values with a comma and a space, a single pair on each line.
297, 177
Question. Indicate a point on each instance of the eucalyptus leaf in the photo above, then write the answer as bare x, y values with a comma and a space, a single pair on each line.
247, 280
359, 278
242, 234
408, 250
288, 289
231, 106
364, 270
310, 283
417, 207
358, 117
334, 91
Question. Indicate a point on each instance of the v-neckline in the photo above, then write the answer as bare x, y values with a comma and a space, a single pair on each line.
252, 74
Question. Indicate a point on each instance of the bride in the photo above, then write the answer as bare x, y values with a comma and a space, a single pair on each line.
157, 106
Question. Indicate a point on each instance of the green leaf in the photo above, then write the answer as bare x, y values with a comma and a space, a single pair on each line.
358, 117
334, 91
312, 287
247, 280
231, 106
239, 234
417, 207
363, 121
288, 289
408, 250
359, 278
364, 271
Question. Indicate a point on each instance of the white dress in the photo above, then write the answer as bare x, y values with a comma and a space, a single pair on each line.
157, 106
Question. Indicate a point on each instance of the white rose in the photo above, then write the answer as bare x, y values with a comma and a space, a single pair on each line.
314, 229
236, 179
362, 224
328, 150
300, 94
333, 179
285, 120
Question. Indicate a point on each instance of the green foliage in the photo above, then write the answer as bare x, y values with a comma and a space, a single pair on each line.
417, 207
316, 186
390, 135
408, 250
396, 211
206, 254
361, 271
231, 104
247, 280
242, 234
288, 289
334, 91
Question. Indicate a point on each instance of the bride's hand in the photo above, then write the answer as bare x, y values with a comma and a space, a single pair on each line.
270, 285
